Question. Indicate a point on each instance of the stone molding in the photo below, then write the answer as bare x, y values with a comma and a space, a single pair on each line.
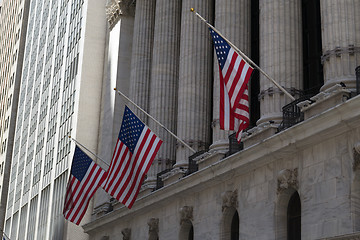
116, 8
287, 178
356, 151
271, 91
153, 224
126, 232
338, 51
186, 214
192, 143
229, 200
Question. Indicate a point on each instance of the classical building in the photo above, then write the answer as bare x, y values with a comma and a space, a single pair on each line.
59, 93
296, 175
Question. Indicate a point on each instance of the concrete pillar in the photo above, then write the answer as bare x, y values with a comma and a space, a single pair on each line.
141, 55
195, 80
164, 82
232, 19
340, 24
280, 55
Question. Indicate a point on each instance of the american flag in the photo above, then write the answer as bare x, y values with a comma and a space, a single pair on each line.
134, 152
234, 74
86, 177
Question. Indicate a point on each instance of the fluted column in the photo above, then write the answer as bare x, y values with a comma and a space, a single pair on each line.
164, 82
340, 24
195, 80
142, 54
232, 19
280, 55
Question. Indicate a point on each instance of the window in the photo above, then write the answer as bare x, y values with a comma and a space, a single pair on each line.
294, 218
235, 226
186, 231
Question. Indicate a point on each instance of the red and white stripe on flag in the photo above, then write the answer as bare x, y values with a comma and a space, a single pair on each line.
233, 82
134, 153
234, 74
80, 190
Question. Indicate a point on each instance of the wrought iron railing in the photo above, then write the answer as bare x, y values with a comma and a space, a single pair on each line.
159, 181
193, 166
234, 146
292, 114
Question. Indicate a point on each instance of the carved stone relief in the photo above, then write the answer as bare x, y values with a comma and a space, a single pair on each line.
153, 226
186, 214
230, 199
126, 232
287, 178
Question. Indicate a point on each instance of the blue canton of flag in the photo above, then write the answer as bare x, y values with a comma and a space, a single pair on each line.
131, 129
85, 178
222, 48
134, 153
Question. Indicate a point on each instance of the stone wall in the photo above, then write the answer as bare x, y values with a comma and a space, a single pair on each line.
315, 158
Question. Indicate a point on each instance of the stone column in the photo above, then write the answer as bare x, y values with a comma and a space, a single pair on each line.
164, 83
116, 74
195, 80
232, 19
280, 55
142, 54
340, 24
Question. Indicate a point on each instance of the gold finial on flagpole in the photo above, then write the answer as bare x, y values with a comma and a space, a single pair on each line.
192, 9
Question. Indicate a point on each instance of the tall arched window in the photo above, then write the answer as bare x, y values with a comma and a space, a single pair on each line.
186, 231
294, 218
230, 224
235, 227
191, 233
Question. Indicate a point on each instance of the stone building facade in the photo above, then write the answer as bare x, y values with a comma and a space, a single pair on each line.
297, 174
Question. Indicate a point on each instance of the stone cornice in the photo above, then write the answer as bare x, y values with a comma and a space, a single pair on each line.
117, 8
332, 122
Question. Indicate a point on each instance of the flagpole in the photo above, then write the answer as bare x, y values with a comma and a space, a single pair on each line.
89, 151
172, 134
243, 55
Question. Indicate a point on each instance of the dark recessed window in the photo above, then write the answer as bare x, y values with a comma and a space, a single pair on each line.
235, 226
294, 218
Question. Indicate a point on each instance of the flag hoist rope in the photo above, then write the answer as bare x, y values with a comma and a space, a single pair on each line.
243, 55
172, 134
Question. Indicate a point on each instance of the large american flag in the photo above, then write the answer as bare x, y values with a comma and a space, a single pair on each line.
85, 178
234, 74
134, 152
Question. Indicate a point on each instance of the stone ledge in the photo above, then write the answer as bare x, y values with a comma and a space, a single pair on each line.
173, 176
354, 236
324, 100
258, 134
209, 158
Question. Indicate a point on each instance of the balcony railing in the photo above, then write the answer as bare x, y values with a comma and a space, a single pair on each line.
234, 146
292, 114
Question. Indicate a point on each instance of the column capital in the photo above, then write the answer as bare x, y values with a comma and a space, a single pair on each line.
117, 8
